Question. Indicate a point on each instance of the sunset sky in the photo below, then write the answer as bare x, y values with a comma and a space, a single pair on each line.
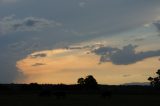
58, 41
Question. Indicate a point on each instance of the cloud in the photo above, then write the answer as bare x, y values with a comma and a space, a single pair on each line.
139, 39
86, 46
38, 64
10, 24
107, 17
105, 50
126, 55
39, 55
64, 66
157, 24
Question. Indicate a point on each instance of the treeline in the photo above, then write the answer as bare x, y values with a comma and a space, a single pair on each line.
35, 88
86, 85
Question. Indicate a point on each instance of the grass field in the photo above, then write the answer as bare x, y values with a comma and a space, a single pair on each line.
80, 100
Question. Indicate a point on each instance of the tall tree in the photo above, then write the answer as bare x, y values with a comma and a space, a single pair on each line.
89, 82
155, 81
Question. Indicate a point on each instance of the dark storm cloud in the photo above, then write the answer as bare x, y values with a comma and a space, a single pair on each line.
104, 16
10, 24
126, 55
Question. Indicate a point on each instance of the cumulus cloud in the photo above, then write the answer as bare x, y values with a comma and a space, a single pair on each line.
126, 55
10, 24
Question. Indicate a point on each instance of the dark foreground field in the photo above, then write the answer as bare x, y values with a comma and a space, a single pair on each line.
81, 100
45, 95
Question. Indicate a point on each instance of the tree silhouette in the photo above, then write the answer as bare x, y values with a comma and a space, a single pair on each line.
89, 81
81, 81
155, 81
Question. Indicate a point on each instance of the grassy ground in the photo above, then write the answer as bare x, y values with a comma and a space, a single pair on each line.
80, 100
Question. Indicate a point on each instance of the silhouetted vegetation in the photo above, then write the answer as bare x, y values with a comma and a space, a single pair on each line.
81, 81
89, 82
85, 93
76, 95
155, 81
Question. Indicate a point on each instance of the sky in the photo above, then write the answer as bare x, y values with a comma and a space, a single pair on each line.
59, 41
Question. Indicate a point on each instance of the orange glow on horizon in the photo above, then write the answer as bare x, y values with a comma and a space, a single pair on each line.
66, 66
